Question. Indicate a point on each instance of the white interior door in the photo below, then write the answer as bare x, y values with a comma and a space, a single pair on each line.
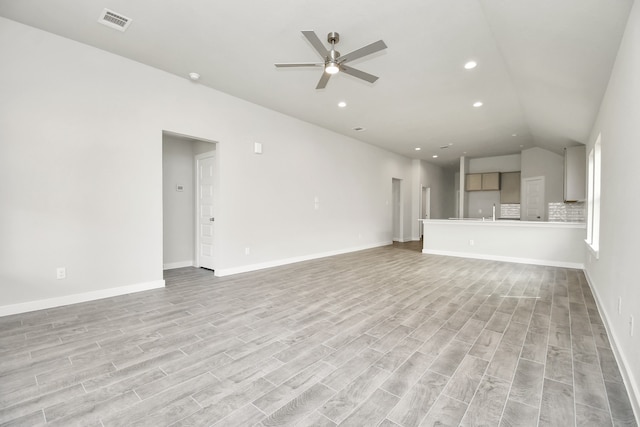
533, 202
205, 212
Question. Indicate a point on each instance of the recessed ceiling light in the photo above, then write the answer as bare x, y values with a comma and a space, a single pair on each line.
417, 148
435, 156
342, 104
514, 134
450, 144
194, 76
470, 65
477, 104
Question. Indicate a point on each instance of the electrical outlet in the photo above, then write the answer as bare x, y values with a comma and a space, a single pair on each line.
61, 273
247, 251
619, 305
471, 243
631, 326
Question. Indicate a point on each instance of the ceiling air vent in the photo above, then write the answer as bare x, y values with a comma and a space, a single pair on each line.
114, 20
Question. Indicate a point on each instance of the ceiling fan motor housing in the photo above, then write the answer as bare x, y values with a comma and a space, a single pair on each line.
333, 37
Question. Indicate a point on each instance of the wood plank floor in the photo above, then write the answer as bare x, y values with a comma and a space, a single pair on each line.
382, 337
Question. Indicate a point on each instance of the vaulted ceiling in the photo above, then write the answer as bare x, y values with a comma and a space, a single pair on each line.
542, 67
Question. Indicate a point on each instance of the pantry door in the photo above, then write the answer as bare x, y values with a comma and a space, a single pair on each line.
533, 202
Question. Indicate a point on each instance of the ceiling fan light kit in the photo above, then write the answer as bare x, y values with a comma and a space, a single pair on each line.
333, 61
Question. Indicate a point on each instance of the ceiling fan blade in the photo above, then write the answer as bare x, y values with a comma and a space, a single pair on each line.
358, 73
301, 64
316, 43
323, 81
363, 51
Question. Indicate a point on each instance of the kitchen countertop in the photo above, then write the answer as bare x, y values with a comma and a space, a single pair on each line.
506, 223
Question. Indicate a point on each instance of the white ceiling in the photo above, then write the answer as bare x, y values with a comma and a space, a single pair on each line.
543, 65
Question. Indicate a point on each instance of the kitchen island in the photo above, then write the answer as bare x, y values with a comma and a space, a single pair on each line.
559, 244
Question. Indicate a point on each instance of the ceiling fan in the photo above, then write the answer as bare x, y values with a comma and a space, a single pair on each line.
333, 62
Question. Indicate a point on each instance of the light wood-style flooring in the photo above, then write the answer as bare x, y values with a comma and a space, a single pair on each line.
382, 337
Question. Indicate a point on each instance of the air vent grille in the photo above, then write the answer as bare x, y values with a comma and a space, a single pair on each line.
114, 20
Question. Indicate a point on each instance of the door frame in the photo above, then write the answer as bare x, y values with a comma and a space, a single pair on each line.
524, 198
425, 206
396, 207
196, 178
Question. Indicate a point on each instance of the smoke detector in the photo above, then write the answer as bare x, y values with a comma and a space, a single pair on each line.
114, 20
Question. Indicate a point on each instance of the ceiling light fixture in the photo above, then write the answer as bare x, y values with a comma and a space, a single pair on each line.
470, 65
435, 156
342, 104
418, 148
477, 104
194, 76
331, 67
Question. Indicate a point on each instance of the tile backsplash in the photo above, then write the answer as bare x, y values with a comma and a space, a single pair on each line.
567, 212
510, 210
558, 212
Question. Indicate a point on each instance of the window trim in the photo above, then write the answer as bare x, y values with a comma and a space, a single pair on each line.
594, 179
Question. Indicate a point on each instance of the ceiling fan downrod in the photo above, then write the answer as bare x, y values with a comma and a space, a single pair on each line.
331, 65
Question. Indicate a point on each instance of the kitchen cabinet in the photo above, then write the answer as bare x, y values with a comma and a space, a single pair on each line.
575, 177
473, 182
482, 181
510, 187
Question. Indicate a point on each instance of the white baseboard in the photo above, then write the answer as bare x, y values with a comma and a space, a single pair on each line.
42, 304
179, 264
550, 263
277, 263
633, 389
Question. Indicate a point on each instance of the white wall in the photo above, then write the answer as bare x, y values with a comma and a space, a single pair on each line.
540, 162
615, 274
81, 168
508, 163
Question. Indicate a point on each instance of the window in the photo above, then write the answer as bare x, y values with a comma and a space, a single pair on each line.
593, 197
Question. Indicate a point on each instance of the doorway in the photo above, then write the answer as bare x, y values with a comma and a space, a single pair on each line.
396, 200
533, 202
180, 199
